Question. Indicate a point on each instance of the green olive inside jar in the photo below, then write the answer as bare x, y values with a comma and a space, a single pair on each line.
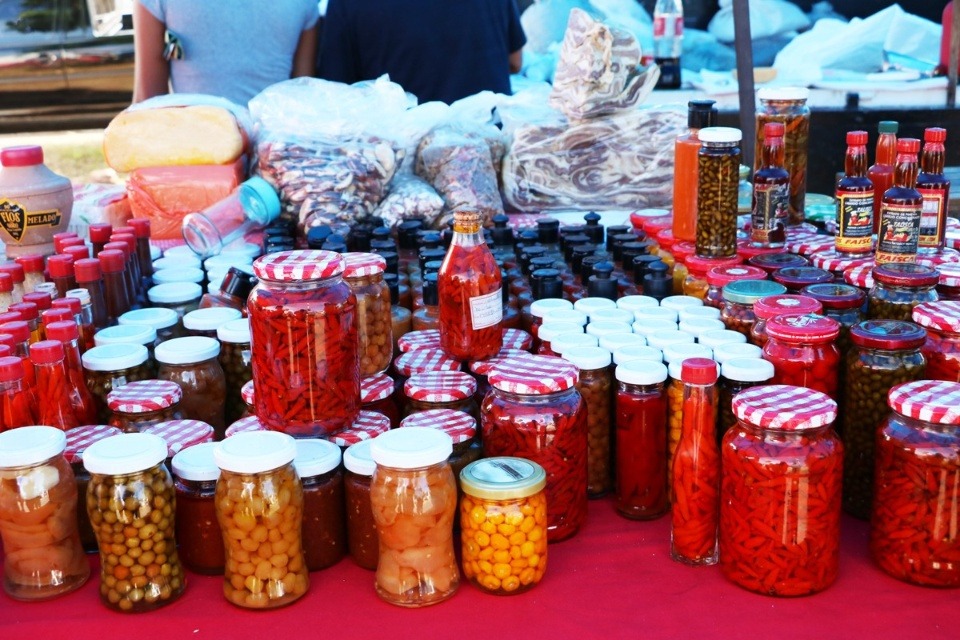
898, 288
136, 406
234, 337
192, 363
132, 506
110, 366
718, 180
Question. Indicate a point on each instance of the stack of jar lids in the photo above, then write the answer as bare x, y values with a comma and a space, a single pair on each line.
459, 425
369, 424
144, 396
440, 386
423, 360
181, 434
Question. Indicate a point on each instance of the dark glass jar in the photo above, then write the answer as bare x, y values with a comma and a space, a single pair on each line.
736, 375
192, 363
739, 297
324, 531
361, 529
200, 540
234, 337
803, 353
843, 303
898, 288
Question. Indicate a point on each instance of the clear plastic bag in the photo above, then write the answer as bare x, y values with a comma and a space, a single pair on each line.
410, 197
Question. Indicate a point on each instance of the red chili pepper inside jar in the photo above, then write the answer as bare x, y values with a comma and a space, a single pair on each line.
803, 353
534, 411
771, 306
942, 349
304, 344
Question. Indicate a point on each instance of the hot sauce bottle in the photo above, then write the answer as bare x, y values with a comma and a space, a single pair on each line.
881, 171
471, 303
900, 209
934, 188
771, 191
855, 200
700, 114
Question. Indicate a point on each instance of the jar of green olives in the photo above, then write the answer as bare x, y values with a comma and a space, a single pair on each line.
898, 287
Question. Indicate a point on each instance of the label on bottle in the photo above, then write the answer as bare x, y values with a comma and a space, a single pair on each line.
16, 220
771, 207
486, 310
932, 217
660, 25
899, 233
854, 222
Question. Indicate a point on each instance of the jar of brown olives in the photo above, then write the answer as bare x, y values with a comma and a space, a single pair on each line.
738, 299
899, 287
718, 180
842, 302
192, 363
234, 337
364, 275
111, 366
595, 385
138, 405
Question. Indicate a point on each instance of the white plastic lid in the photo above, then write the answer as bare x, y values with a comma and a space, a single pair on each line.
126, 333
539, 307
411, 448
612, 315
174, 293
125, 453
156, 317
235, 331
641, 372
196, 463
676, 369
179, 251
734, 350
635, 352
114, 357
747, 370
242, 249
783, 93
255, 451
632, 303
358, 459
727, 135
155, 252
655, 313
697, 326
179, 274
645, 327
677, 303
30, 445
605, 327
80, 294
661, 339
223, 262
560, 344
613, 341
550, 330
316, 457
689, 313
681, 351
589, 305
176, 262
565, 315
187, 350
714, 339
210, 319
587, 358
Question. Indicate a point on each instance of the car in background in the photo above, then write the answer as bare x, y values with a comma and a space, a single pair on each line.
64, 63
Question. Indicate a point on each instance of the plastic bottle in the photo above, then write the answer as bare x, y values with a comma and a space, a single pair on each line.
881, 171
700, 114
35, 202
668, 41
254, 204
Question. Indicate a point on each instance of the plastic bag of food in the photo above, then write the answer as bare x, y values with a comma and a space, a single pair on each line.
410, 197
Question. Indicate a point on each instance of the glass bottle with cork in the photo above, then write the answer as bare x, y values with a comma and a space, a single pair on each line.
700, 115
882, 170
855, 200
771, 191
934, 188
900, 209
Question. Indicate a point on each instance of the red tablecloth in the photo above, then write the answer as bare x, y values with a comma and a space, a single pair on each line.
614, 579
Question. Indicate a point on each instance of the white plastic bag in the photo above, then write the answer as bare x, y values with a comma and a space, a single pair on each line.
767, 18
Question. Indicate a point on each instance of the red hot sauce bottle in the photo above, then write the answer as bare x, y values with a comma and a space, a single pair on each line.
855, 198
881, 171
899, 233
934, 188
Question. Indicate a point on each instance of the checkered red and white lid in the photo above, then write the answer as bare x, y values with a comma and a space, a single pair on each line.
375, 388
296, 266
79, 438
533, 375
483, 367
952, 237
939, 316
368, 425
460, 426
805, 327
423, 360
180, 434
358, 265
945, 256
781, 406
246, 392
440, 386
949, 275
423, 339
830, 260
250, 423
934, 401
808, 244
143, 396
517, 339
860, 275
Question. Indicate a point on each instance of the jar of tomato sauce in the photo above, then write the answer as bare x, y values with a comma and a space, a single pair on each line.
195, 474
942, 348
324, 531
803, 353
772, 306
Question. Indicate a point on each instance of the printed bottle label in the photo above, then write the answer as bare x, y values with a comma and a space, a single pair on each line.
899, 233
855, 222
770, 211
16, 220
486, 310
932, 217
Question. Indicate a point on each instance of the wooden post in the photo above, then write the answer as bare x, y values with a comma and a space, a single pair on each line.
954, 54
744, 48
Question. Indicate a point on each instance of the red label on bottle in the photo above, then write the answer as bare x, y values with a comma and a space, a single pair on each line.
932, 217
899, 233
660, 26
854, 222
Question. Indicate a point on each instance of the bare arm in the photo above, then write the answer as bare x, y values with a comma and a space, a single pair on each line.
305, 57
151, 72
516, 61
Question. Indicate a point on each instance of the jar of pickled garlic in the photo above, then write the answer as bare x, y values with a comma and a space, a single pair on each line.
898, 288
361, 529
304, 343
916, 495
942, 348
193, 364
138, 405
778, 536
234, 337
718, 277
377, 394
414, 501
460, 426
110, 366
594, 384
739, 297
775, 305
324, 530
736, 375
695, 284
258, 498
131, 504
534, 411
78, 439
503, 524
364, 275
200, 540
440, 390
803, 353
43, 557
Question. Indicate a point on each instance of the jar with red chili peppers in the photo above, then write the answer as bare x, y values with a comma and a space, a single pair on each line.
771, 306
942, 348
796, 278
199, 538
594, 384
736, 375
780, 492
534, 411
460, 426
376, 394
718, 277
898, 288
364, 275
440, 390
695, 284
641, 436
304, 344
141, 404
913, 532
803, 353
361, 529
948, 288
771, 262
367, 426
192, 363
324, 530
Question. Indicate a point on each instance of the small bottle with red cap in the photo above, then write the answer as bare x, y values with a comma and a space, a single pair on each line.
62, 240
41, 299
114, 284
77, 301
934, 188
771, 191
803, 351
32, 271
63, 404
68, 334
38, 201
77, 252
901, 208
19, 331
99, 235
30, 314
15, 271
18, 403
855, 195
89, 277
61, 270
133, 261
141, 230
129, 280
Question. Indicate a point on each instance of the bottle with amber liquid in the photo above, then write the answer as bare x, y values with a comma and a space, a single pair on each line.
468, 287
855, 200
700, 115
900, 209
771, 191
934, 188
881, 171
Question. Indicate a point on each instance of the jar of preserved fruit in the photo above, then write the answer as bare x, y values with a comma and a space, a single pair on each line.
898, 288
534, 411
110, 366
43, 557
414, 500
803, 353
736, 375
423, 339
192, 363
182, 297
739, 297
234, 337
796, 278
258, 496
324, 530
460, 426
367, 426
302, 301
376, 394
504, 491
441, 390
78, 439
594, 383
772, 306
695, 284
916, 495
131, 492
771, 262
361, 529
718, 180
163, 321
364, 275
204, 322
718, 277
771, 542
788, 105
200, 540
942, 348
141, 404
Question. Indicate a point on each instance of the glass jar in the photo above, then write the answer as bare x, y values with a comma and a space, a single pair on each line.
259, 503
138, 405
361, 528
803, 353
738, 299
132, 334
182, 297
414, 500
301, 300
163, 321
367, 426
718, 277
181, 434
913, 533
534, 411
947, 289
364, 275
552, 330
204, 322
841, 302
772, 306
594, 383
422, 339
540, 309
695, 284
324, 530
796, 278
192, 363
898, 288
131, 493
110, 366
503, 524
681, 251
718, 179
200, 539
462, 429
641, 436
736, 375
376, 394
440, 390
250, 423
771, 262
788, 105
777, 537
78, 439
234, 337
43, 557
942, 348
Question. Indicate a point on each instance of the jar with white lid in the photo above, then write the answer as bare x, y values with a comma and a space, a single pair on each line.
174, 275
648, 327
131, 334
192, 363
163, 321
182, 297
460, 426
613, 341
539, 310
637, 352
736, 350
361, 529
259, 492
204, 322
682, 350
550, 330
110, 366
43, 557
176, 262
595, 381
600, 328
234, 337
612, 315
591, 304
736, 375
657, 314
200, 540
633, 303
414, 501
144, 403
679, 303
131, 499
720, 337
440, 390
698, 326
324, 531
566, 341
663, 339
